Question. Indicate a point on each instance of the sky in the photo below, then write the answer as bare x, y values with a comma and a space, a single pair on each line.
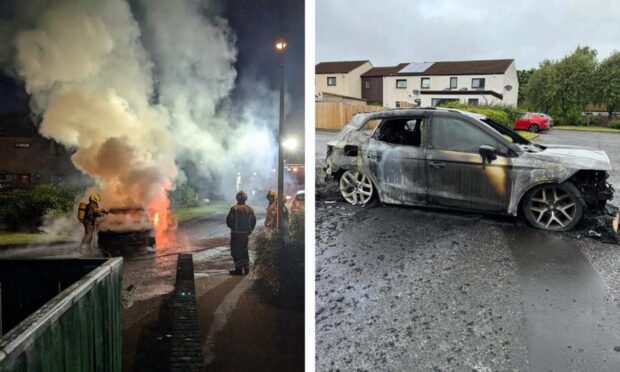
392, 31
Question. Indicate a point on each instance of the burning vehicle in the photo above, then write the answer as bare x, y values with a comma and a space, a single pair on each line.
459, 160
126, 232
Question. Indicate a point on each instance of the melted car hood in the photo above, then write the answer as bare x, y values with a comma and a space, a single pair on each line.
574, 156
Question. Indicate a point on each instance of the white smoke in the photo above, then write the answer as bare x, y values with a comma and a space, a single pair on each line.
132, 104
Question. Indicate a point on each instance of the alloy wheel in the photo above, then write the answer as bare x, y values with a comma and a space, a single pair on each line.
552, 208
355, 187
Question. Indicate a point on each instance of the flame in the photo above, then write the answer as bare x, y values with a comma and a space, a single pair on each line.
164, 223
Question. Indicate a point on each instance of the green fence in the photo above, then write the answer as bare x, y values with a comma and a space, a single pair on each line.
77, 330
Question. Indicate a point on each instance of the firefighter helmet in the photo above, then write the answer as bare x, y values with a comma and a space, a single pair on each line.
241, 197
271, 194
94, 198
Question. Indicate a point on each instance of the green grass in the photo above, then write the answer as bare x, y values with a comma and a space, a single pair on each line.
527, 135
588, 129
185, 214
7, 238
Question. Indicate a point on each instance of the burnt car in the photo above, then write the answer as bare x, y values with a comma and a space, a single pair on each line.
126, 232
459, 160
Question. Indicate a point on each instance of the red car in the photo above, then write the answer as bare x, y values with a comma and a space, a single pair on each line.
532, 123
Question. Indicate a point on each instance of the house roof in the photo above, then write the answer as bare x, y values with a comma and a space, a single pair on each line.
384, 71
342, 67
483, 67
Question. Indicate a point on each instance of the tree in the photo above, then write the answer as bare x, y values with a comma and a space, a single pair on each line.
523, 76
540, 90
575, 80
607, 91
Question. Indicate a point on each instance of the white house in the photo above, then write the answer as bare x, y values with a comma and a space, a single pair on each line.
341, 78
427, 84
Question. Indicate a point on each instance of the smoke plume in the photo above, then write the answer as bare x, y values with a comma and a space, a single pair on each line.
137, 89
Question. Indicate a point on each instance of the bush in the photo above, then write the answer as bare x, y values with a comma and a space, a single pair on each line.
614, 124
280, 264
496, 113
183, 196
23, 210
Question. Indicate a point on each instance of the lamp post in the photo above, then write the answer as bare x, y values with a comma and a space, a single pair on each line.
280, 47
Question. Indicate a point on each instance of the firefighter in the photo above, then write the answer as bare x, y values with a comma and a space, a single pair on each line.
271, 216
241, 221
89, 220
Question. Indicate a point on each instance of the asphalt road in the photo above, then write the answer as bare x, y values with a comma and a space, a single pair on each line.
415, 289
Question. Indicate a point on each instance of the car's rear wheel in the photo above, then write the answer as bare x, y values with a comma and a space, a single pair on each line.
533, 128
554, 207
355, 187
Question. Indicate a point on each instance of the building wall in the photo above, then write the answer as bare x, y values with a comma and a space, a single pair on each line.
346, 84
375, 92
496, 83
27, 161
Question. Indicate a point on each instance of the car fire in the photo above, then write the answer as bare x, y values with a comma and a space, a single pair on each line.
459, 160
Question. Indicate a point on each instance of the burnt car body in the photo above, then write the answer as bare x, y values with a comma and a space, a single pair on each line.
126, 232
459, 160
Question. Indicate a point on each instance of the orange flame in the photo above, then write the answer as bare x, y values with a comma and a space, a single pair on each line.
164, 223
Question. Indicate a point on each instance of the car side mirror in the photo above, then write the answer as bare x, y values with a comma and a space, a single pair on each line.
351, 150
488, 153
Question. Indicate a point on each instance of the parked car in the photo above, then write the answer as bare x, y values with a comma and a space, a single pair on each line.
548, 117
531, 122
458, 160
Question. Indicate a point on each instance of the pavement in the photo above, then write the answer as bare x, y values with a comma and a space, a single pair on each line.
236, 317
401, 288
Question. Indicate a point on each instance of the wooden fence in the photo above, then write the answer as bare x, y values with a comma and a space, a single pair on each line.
335, 115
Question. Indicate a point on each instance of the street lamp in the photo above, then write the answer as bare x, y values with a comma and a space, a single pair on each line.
280, 47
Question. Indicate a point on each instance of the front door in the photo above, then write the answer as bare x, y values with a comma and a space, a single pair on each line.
456, 175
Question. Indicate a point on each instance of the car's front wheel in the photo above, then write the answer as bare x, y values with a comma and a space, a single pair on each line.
533, 128
555, 207
355, 187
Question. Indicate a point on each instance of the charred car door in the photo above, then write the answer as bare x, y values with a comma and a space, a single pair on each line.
395, 157
467, 166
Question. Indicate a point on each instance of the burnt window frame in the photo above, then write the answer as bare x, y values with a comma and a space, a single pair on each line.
334, 79
423, 130
480, 86
456, 82
399, 80
499, 145
422, 80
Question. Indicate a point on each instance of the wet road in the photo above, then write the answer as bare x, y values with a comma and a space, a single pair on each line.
416, 289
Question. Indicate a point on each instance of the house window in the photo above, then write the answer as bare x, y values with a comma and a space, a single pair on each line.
397, 103
22, 145
477, 83
453, 82
367, 84
401, 84
473, 101
425, 83
331, 81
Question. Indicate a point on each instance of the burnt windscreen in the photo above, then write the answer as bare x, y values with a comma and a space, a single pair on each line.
514, 136
26, 285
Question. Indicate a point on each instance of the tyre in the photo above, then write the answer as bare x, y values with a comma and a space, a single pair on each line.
533, 128
553, 207
355, 187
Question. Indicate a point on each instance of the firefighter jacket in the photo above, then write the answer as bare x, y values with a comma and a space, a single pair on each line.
92, 213
241, 219
271, 216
